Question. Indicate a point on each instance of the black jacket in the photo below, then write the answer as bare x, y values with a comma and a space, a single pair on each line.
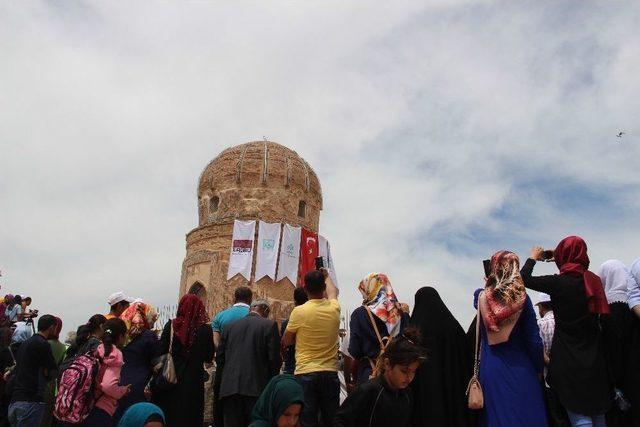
577, 371
249, 355
375, 404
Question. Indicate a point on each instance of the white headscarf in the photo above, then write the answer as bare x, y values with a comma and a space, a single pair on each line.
615, 279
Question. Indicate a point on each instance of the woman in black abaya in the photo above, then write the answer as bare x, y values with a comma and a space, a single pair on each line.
441, 382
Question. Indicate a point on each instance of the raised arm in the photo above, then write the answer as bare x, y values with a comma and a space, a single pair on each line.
332, 290
544, 284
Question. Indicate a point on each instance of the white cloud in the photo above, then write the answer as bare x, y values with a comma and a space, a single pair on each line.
424, 122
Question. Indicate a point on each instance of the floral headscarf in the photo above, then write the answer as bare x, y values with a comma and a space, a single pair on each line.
504, 294
379, 297
138, 317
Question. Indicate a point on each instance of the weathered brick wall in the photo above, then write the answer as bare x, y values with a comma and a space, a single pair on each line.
256, 180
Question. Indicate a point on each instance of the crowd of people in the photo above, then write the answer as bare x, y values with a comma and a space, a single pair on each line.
578, 364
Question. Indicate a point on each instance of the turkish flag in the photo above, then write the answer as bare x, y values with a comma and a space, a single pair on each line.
308, 254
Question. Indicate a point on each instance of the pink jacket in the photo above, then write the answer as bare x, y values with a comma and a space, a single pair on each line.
107, 389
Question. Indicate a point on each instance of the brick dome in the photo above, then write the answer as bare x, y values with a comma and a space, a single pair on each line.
259, 180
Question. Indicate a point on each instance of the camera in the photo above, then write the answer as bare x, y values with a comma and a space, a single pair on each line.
32, 314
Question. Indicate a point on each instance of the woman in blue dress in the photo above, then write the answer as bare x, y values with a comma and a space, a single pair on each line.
511, 351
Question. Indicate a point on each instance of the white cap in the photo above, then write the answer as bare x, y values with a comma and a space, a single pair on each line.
542, 297
137, 300
118, 297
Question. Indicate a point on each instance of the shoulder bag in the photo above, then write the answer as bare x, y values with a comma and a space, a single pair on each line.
383, 341
475, 396
165, 377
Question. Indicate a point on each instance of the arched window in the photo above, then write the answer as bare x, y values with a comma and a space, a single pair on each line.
213, 204
198, 290
302, 209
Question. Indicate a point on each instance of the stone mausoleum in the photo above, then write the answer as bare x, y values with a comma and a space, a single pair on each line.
260, 180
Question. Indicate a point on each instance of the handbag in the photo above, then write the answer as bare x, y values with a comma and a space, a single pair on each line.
383, 341
165, 377
475, 396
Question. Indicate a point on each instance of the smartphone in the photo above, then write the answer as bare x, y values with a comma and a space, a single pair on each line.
487, 267
319, 263
548, 255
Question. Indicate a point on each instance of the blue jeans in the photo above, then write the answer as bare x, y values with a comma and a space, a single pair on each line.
26, 414
578, 420
321, 392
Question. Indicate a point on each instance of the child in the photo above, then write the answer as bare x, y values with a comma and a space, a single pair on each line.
107, 391
386, 400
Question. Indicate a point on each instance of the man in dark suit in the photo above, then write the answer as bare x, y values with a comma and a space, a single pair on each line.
250, 356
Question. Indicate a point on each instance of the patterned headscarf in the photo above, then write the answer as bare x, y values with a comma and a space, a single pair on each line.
505, 293
191, 315
379, 297
138, 317
572, 259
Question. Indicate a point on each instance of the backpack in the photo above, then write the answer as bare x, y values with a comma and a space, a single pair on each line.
76, 396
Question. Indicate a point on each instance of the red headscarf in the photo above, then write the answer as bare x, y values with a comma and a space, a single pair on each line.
191, 315
572, 259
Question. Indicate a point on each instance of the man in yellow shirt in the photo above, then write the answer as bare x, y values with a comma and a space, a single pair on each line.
313, 327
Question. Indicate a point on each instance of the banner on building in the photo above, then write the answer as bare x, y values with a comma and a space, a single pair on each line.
267, 249
308, 253
241, 258
289, 253
324, 250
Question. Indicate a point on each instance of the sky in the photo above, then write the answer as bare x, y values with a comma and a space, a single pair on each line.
441, 132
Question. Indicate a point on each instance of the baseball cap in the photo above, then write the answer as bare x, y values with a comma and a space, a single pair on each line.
542, 297
117, 297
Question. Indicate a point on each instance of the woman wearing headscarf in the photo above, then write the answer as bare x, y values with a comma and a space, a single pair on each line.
142, 415
577, 369
511, 350
633, 382
378, 318
616, 329
441, 381
141, 348
280, 403
183, 405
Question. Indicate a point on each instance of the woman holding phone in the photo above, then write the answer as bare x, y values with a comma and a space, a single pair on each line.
577, 369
